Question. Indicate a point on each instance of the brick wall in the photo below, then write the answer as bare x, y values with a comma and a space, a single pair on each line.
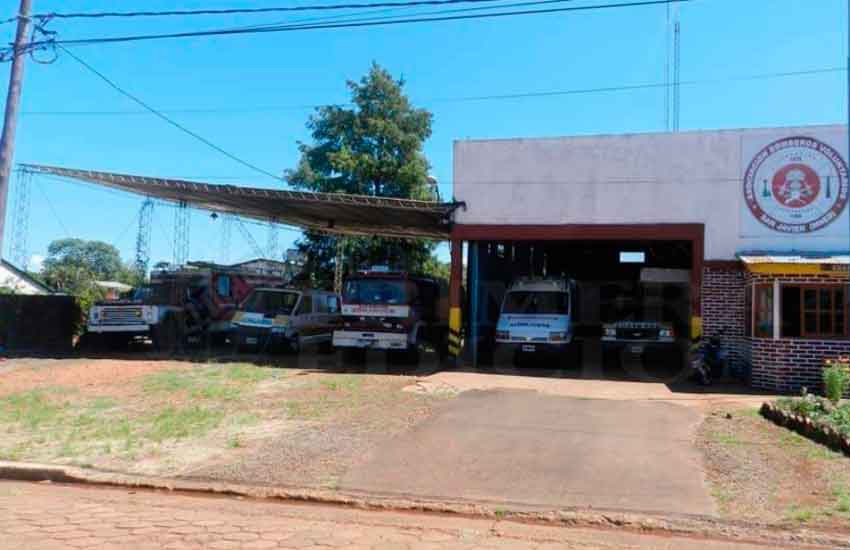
786, 365
723, 310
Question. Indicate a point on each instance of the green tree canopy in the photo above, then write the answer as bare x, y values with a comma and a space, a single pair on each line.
73, 264
101, 259
372, 148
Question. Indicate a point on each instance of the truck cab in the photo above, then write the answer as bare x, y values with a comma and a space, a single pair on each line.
284, 318
392, 311
190, 304
537, 316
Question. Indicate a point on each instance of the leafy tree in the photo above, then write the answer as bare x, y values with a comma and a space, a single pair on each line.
373, 148
73, 265
98, 259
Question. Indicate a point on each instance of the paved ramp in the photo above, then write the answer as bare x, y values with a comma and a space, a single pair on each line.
541, 450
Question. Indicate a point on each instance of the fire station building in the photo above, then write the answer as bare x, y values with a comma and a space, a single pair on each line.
756, 220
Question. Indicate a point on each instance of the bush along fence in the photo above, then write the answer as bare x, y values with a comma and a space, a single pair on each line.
822, 419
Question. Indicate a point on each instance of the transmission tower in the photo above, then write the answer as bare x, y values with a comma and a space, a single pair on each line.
226, 232
272, 244
181, 233
258, 252
143, 238
20, 223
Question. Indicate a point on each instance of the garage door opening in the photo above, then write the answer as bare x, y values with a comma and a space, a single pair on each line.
630, 313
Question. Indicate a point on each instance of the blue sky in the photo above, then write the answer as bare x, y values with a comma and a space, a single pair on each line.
721, 39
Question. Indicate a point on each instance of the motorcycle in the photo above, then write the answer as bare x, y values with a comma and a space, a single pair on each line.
707, 358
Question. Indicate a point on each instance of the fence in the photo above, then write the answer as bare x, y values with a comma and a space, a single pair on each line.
37, 323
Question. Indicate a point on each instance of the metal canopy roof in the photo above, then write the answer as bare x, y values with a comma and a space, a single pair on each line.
334, 213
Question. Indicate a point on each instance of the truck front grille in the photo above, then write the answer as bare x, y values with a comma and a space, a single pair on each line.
131, 315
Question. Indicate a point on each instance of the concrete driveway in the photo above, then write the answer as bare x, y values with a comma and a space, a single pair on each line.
526, 448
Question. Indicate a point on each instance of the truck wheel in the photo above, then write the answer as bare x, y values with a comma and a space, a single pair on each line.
294, 344
410, 356
165, 334
326, 348
356, 356
89, 342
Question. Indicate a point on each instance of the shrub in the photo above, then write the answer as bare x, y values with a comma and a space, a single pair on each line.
836, 379
808, 405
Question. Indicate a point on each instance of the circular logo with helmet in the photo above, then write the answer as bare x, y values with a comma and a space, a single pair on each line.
796, 185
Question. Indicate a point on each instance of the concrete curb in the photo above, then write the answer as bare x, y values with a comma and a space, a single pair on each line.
681, 525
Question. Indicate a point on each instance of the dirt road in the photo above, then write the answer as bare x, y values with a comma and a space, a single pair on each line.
54, 517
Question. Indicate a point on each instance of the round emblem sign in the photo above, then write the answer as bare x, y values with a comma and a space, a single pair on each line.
796, 185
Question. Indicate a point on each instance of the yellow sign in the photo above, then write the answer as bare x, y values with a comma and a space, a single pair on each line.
799, 269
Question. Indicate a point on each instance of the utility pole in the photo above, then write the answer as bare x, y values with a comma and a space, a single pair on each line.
13, 100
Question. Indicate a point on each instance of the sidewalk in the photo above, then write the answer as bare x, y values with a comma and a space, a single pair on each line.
54, 517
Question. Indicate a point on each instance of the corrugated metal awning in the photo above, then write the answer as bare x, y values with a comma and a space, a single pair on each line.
334, 213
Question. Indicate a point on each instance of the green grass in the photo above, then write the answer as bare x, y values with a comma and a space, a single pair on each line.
31, 409
803, 514
804, 447
725, 438
328, 395
722, 494
307, 410
841, 492
167, 382
180, 423
350, 384
840, 507
214, 383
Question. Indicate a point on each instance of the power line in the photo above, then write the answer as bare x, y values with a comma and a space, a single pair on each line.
343, 25
177, 125
53, 210
491, 97
249, 11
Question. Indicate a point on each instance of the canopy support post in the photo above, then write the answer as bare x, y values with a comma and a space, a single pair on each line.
455, 343
338, 265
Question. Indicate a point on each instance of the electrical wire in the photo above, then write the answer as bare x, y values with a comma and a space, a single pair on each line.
52, 208
460, 99
177, 125
133, 221
250, 11
357, 17
343, 25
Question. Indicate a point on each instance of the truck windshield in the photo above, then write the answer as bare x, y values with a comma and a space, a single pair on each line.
278, 303
537, 303
375, 291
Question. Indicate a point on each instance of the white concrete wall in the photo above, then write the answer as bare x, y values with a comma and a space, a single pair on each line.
689, 177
